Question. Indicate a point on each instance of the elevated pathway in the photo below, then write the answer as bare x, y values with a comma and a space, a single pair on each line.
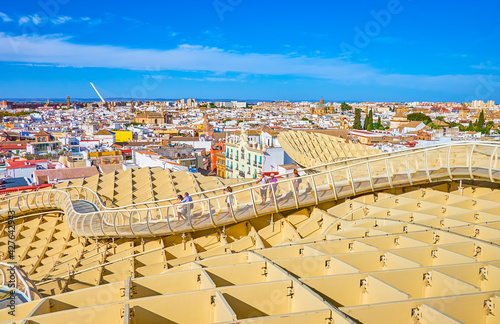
84, 206
87, 216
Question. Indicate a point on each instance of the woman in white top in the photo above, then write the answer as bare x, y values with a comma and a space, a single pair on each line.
229, 200
263, 189
180, 208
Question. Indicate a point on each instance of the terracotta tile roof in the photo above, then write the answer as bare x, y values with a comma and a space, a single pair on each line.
23, 164
412, 124
42, 133
103, 132
107, 168
66, 173
184, 139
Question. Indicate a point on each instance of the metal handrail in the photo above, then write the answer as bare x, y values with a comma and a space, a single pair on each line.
331, 164
365, 159
218, 189
29, 290
78, 222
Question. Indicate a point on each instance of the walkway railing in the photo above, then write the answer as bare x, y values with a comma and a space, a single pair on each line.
14, 278
457, 161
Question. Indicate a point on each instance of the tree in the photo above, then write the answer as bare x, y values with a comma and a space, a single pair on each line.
480, 121
378, 124
369, 125
470, 127
419, 117
433, 126
357, 119
133, 124
345, 107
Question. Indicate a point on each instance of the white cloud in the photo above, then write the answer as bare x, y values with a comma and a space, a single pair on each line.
4, 17
35, 19
157, 77
24, 20
487, 66
58, 20
60, 51
61, 20
224, 79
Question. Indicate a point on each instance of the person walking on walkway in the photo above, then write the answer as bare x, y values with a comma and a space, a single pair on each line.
188, 207
263, 188
229, 199
180, 208
296, 182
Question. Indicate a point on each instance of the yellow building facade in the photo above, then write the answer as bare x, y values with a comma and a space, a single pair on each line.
123, 136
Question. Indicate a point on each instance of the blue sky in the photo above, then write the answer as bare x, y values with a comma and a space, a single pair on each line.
406, 50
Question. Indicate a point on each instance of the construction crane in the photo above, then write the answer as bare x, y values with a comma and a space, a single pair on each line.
93, 86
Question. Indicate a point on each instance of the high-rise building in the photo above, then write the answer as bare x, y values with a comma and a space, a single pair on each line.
68, 102
478, 104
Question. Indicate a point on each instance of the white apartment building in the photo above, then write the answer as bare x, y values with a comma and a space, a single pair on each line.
249, 155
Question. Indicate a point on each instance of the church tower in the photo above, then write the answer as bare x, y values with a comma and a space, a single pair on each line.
207, 128
462, 114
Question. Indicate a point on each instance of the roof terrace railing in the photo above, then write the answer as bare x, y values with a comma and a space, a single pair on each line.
456, 161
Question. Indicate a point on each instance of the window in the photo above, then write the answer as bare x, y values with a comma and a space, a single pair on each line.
260, 159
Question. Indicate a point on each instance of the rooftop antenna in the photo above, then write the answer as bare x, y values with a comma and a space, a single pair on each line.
93, 86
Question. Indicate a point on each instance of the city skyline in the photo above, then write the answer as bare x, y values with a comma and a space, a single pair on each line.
368, 51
